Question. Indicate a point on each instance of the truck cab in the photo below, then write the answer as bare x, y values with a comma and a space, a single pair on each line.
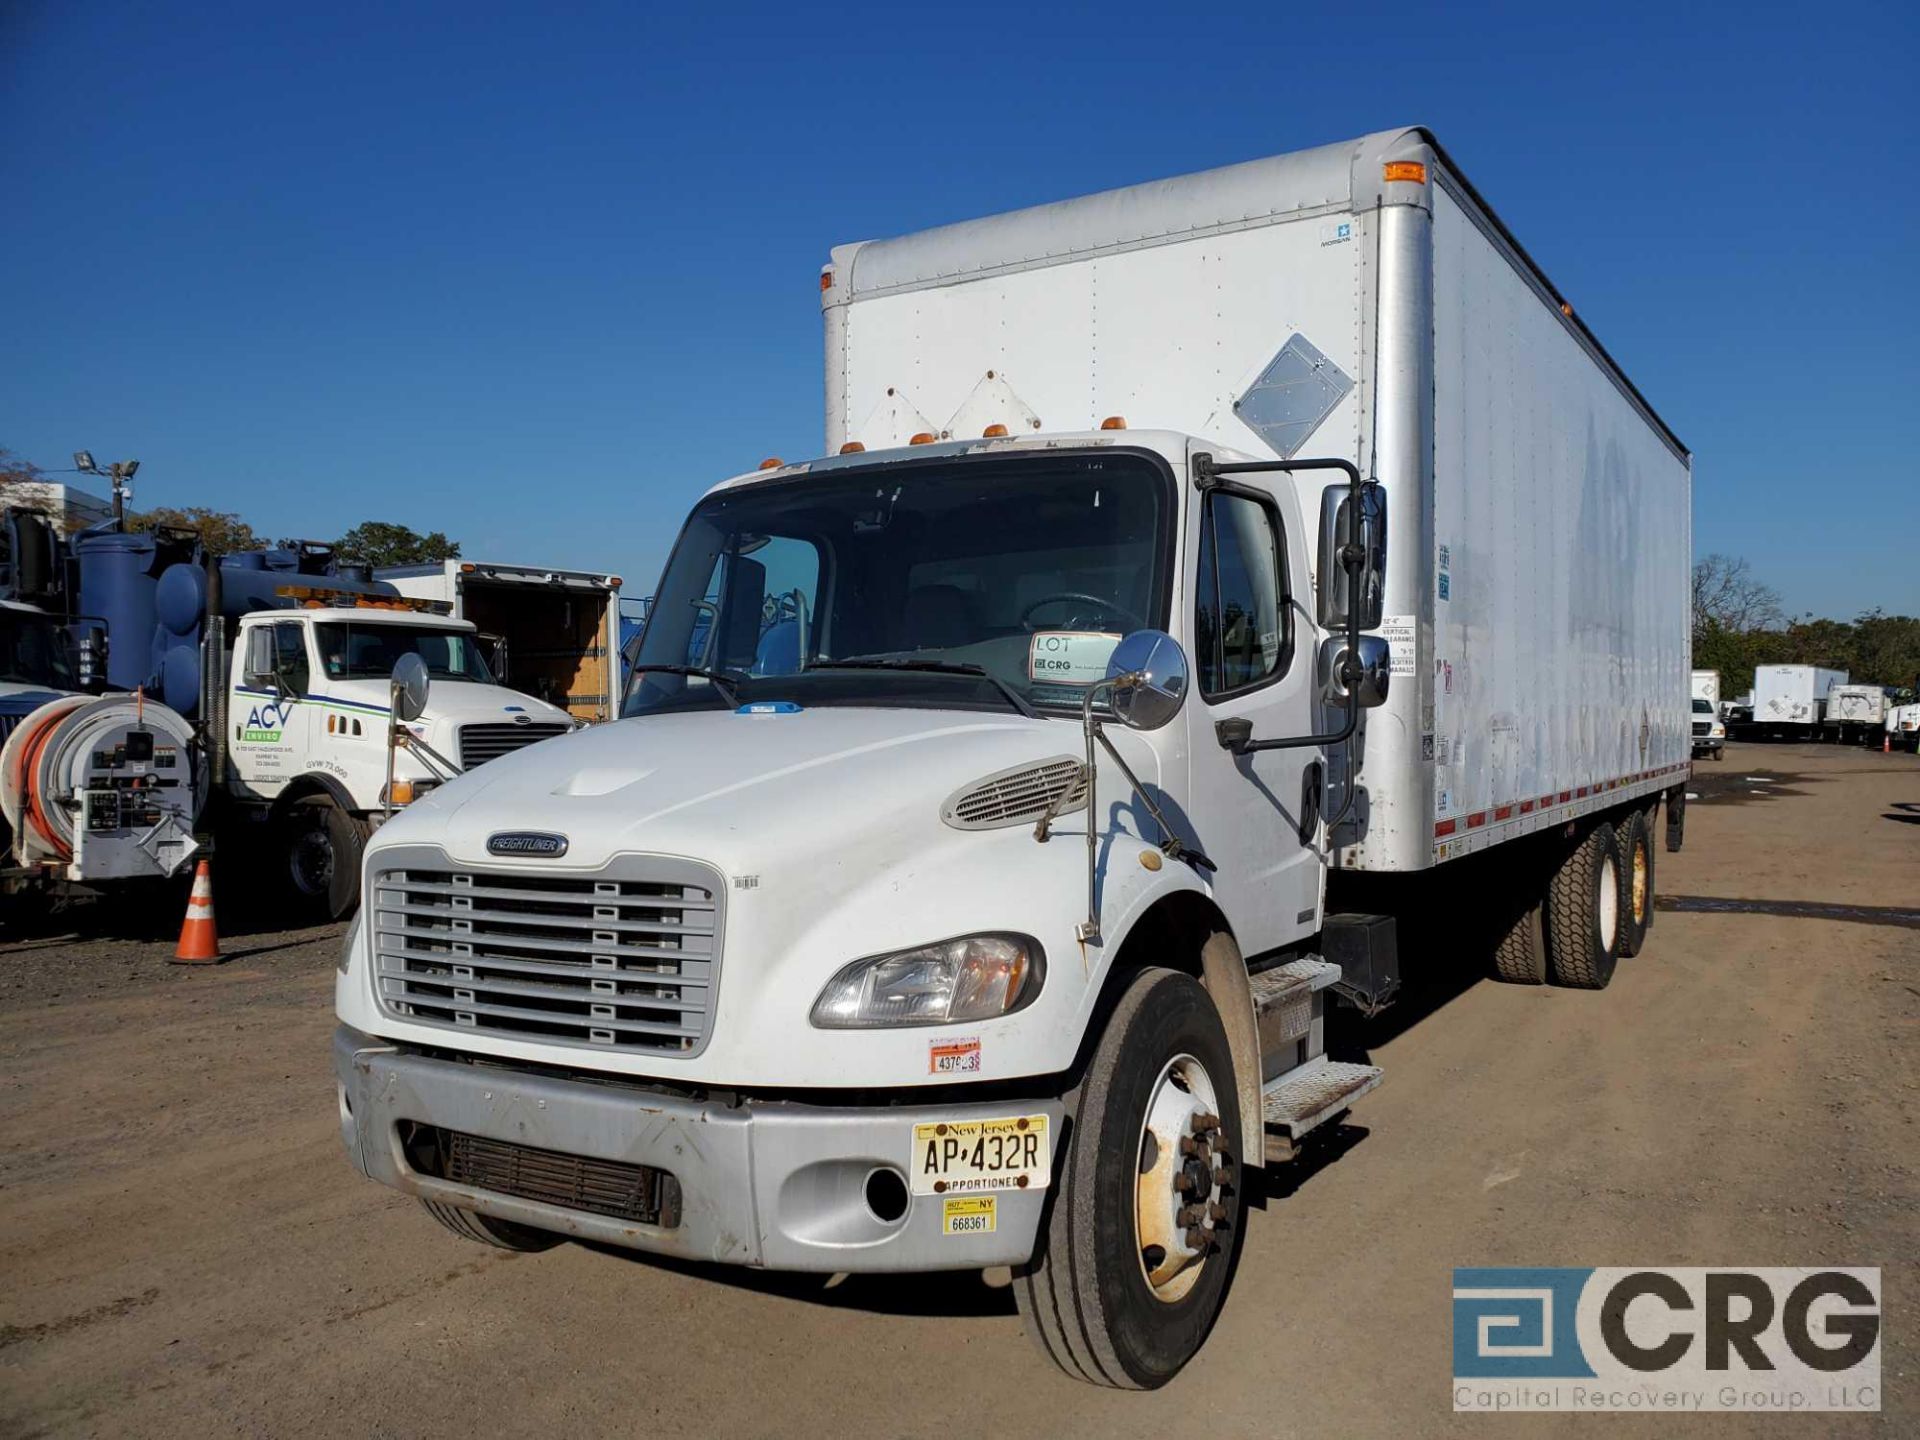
306, 733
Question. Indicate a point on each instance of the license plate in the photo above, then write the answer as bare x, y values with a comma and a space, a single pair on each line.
959, 1156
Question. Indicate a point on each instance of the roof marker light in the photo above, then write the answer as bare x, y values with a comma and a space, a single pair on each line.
925, 437
993, 432
852, 447
1412, 171
826, 280
1114, 422
772, 462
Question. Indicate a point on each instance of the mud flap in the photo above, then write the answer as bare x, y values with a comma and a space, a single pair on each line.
1676, 818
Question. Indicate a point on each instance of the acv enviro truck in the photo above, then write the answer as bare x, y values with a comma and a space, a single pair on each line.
1195, 570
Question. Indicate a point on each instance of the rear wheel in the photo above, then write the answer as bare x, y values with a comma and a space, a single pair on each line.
488, 1230
1143, 1225
1636, 878
321, 848
1585, 902
1520, 957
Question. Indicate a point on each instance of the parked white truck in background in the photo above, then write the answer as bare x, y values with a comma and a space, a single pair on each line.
1857, 714
1706, 686
1790, 701
553, 634
1197, 568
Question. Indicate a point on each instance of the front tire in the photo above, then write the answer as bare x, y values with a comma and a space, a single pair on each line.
1585, 905
490, 1231
1141, 1232
321, 849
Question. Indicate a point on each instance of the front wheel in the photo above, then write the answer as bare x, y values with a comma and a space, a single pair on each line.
321, 848
1141, 1232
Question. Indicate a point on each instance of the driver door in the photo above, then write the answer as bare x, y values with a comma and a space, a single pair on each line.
268, 709
1256, 816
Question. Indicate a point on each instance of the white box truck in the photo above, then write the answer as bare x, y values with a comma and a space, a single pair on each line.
552, 634
1857, 714
1706, 686
1195, 570
1790, 701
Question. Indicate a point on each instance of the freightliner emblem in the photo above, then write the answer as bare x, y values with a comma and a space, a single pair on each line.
527, 842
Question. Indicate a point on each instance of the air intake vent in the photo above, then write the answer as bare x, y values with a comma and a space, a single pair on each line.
1018, 796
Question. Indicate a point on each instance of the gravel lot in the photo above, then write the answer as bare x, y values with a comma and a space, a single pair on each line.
186, 1250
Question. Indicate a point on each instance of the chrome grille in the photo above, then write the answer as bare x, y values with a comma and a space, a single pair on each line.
621, 959
1703, 727
1016, 796
481, 743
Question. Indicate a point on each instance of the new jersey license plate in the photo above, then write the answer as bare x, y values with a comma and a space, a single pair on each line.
955, 1157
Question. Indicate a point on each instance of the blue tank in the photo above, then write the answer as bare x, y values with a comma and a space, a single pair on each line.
119, 584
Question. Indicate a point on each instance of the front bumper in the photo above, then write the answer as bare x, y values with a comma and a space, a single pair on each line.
773, 1184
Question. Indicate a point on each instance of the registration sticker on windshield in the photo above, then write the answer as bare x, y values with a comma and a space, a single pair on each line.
1070, 657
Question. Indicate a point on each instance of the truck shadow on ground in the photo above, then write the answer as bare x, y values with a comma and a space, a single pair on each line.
946, 1294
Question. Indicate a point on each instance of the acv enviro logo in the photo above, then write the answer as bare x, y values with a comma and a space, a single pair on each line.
1673, 1339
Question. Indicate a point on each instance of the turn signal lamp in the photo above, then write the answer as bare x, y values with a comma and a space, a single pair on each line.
1114, 422
852, 447
993, 432
925, 437
1412, 171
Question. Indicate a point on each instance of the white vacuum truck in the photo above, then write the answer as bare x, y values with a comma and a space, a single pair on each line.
1195, 570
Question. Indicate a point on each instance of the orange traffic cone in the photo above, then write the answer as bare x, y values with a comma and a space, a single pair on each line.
199, 941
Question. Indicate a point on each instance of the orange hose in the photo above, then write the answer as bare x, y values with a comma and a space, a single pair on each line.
31, 812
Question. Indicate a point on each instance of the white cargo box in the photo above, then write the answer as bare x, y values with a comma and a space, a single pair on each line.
1706, 686
1357, 301
1792, 694
1856, 705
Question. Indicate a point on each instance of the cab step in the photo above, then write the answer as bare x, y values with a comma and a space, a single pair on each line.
1290, 1008
1309, 1095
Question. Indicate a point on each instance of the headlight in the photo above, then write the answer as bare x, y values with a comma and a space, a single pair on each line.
345, 962
976, 977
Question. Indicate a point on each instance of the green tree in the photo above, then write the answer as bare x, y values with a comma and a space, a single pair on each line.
221, 531
377, 542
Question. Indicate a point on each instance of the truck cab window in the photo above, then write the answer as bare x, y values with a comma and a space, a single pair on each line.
290, 656
1243, 622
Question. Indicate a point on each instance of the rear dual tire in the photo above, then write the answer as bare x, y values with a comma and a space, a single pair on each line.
1585, 912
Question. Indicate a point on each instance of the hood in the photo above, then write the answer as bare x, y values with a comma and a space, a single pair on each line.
731, 789
457, 701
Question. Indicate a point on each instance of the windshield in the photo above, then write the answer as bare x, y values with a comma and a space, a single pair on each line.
1702, 707
1029, 568
368, 651
34, 651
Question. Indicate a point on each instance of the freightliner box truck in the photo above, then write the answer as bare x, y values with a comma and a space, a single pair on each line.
1195, 572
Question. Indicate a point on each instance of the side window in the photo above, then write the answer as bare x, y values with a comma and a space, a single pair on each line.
760, 612
1243, 625
290, 656
259, 671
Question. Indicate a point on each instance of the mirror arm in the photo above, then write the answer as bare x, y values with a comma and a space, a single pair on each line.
1206, 475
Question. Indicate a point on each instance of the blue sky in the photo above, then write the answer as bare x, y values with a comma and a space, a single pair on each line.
538, 275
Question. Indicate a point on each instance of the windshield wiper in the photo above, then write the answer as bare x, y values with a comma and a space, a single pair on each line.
936, 667
713, 678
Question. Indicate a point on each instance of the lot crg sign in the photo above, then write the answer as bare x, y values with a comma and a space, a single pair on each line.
1661, 1339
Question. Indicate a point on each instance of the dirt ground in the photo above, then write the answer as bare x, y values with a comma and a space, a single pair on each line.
186, 1251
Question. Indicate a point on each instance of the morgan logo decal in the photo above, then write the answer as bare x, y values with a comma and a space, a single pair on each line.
536, 843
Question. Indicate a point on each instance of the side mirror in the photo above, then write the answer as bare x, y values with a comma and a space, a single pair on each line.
1148, 672
1368, 673
1339, 527
410, 686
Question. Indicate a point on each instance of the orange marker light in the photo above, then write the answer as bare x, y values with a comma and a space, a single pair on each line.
826, 280
1114, 422
993, 432
1412, 171
925, 437
852, 447
772, 462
